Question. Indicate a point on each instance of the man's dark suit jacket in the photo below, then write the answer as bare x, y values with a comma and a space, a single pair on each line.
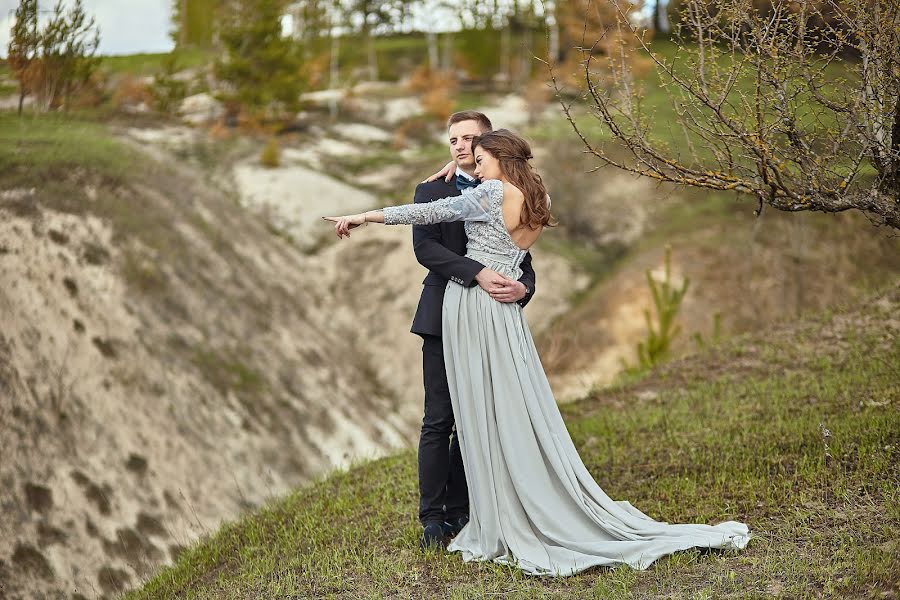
441, 249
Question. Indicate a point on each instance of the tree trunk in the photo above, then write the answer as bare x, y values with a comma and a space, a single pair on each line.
431, 37
447, 58
183, 37
49, 93
893, 176
553, 24
504, 53
527, 53
370, 53
21, 99
333, 73
661, 17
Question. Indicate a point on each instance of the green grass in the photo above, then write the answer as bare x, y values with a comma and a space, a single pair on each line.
654, 100
415, 42
78, 166
736, 433
7, 88
471, 100
36, 147
149, 63
659, 117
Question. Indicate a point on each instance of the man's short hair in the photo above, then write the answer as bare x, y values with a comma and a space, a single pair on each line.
471, 115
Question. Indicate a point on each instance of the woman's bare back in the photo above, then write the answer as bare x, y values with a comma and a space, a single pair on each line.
513, 203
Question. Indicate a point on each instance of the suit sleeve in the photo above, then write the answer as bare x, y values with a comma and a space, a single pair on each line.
528, 278
434, 256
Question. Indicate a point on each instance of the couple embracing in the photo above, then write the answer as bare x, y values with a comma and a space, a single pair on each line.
498, 472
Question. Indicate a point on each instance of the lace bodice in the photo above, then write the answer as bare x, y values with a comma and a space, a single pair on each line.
482, 210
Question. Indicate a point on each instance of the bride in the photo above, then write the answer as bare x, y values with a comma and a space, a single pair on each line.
533, 503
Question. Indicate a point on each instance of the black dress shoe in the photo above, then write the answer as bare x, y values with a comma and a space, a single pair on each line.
433, 535
454, 526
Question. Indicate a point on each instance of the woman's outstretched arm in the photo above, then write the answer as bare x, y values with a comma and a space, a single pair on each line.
472, 205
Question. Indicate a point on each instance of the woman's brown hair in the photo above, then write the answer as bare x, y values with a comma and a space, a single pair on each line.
513, 153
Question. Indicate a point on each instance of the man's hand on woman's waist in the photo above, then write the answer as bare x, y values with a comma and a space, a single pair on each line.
500, 287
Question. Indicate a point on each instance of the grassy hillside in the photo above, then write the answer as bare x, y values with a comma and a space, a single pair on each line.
795, 431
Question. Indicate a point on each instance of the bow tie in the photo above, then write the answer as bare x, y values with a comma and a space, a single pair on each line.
464, 182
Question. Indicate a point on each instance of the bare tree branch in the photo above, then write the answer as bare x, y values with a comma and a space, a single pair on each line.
796, 104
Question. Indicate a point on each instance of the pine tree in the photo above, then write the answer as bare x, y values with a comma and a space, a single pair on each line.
260, 68
167, 89
22, 50
52, 62
667, 301
69, 43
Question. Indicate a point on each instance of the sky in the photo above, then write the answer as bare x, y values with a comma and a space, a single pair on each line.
132, 26
126, 26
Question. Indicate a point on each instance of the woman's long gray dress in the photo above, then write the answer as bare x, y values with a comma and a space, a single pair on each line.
532, 502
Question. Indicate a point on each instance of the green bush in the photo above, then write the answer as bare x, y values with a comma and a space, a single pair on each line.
168, 91
271, 154
260, 70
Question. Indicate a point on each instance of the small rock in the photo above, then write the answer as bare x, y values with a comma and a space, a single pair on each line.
200, 108
647, 395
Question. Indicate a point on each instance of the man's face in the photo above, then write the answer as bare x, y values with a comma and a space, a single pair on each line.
461, 135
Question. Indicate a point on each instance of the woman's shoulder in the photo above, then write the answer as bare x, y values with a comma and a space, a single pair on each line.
512, 192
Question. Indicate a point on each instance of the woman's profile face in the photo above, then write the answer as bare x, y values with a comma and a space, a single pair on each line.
486, 166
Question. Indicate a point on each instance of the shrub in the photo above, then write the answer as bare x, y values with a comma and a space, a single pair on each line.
436, 90
129, 91
271, 154
52, 58
167, 91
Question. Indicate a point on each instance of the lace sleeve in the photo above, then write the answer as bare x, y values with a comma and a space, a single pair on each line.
472, 205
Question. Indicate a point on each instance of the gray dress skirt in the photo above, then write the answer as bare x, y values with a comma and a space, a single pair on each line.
533, 504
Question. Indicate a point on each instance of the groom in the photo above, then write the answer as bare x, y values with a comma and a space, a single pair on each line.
443, 495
